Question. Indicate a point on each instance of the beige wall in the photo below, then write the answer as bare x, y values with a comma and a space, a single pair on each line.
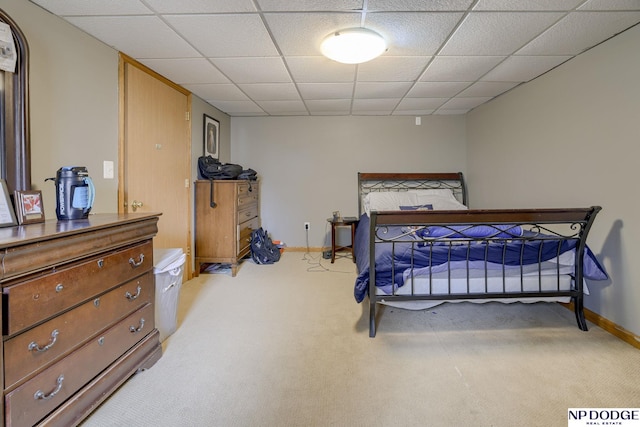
572, 138
74, 102
309, 165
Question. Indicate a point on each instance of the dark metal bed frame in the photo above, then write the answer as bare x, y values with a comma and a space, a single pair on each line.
546, 224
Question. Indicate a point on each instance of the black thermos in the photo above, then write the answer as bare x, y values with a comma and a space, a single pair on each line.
74, 192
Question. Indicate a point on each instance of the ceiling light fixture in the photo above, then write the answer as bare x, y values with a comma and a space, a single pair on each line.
353, 45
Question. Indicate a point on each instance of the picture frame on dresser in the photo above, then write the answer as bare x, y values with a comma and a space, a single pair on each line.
29, 206
211, 137
7, 214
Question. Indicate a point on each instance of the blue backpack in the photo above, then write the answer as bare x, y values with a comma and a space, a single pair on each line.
263, 251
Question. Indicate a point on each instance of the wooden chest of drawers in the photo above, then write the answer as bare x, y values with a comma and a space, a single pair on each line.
223, 231
77, 314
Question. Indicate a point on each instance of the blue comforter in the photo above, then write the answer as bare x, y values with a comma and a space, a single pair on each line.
407, 255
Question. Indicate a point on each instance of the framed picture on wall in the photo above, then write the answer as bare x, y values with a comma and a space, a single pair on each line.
7, 217
211, 137
29, 207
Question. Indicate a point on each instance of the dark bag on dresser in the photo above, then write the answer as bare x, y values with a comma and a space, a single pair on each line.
249, 174
210, 168
263, 251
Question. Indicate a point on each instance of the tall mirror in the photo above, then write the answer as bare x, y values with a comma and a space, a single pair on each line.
15, 162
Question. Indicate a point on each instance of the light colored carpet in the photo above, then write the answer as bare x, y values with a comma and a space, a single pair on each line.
287, 345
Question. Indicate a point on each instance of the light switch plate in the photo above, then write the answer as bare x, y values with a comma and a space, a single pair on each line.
107, 169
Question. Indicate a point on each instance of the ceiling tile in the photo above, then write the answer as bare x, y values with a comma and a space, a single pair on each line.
94, 7
436, 89
326, 90
310, 5
419, 104
200, 6
374, 90
417, 33
381, 105
489, 33
392, 68
419, 5
137, 36
287, 108
459, 68
444, 112
220, 92
521, 5
271, 91
300, 34
490, 89
413, 112
611, 5
186, 71
243, 70
579, 31
465, 103
238, 108
318, 69
523, 68
225, 35
331, 106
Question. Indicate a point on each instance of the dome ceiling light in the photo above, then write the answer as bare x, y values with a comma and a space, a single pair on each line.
353, 45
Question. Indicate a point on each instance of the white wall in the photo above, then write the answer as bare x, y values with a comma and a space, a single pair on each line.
309, 165
572, 138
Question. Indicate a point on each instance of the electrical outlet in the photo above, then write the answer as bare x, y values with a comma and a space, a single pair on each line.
307, 226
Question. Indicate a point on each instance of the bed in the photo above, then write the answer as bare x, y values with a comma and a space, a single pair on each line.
418, 245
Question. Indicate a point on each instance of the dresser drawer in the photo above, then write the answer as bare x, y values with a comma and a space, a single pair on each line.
248, 199
244, 235
34, 399
27, 352
40, 298
247, 188
248, 213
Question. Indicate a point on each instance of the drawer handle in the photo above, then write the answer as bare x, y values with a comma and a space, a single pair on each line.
132, 297
100, 263
33, 346
39, 395
135, 264
134, 330
59, 287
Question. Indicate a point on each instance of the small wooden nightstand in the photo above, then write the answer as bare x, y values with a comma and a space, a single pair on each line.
342, 222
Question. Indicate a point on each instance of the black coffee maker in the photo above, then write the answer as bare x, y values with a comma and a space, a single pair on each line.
75, 192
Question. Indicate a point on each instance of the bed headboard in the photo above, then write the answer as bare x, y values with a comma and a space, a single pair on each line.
369, 182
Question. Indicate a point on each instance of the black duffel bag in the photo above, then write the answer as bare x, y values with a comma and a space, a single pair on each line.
249, 174
210, 168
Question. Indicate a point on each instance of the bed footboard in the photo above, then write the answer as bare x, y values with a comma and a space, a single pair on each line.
472, 255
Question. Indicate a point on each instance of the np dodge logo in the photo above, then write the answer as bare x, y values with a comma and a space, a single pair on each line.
604, 417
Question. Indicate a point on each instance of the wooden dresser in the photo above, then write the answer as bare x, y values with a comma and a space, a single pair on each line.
223, 232
77, 314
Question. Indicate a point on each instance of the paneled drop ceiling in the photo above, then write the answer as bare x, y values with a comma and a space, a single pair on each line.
262, 57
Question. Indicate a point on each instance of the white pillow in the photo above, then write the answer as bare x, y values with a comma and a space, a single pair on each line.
389, 200
442, 202
442, 199
434, 192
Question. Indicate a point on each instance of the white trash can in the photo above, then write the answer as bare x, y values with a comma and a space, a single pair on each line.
168, 269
